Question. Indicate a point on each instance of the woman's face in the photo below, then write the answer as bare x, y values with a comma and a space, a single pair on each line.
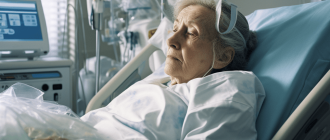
190, 49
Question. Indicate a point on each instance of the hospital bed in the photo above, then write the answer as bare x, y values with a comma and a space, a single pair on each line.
292, 61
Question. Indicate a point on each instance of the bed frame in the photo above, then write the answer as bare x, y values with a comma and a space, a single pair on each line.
136, 69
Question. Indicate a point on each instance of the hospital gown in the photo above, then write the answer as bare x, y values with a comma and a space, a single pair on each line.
222, 105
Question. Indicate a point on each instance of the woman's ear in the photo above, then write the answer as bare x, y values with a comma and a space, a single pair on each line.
226, 56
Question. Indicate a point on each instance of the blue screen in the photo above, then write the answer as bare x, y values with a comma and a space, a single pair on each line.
46, 75
19, 21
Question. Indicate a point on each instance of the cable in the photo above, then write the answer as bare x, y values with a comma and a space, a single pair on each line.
83, 92
112, 29
75, 71
84, 37
212, 63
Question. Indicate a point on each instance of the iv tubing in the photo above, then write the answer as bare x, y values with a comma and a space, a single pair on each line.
83, 29
212, 64
112, 11
97, 69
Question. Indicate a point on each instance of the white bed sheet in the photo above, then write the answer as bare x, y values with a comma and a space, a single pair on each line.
222, 105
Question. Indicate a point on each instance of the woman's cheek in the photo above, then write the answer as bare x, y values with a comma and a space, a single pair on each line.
193, 40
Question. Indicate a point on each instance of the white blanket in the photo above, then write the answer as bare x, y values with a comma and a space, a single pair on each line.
223, 105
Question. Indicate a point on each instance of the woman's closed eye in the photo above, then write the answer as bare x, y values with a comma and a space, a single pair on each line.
190, 33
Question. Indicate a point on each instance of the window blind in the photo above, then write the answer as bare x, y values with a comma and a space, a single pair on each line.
60, 20
55, 14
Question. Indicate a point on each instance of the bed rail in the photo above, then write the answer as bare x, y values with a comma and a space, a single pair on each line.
305, 110
108, 89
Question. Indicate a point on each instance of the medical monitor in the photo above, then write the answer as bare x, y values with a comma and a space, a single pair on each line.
23, 30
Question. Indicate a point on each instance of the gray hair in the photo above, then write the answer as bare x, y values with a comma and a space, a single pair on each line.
232, 39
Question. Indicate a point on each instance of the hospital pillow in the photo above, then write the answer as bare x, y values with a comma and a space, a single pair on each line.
164, 31
293, 54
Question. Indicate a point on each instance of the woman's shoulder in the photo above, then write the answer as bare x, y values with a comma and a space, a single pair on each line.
219, 77
241, 87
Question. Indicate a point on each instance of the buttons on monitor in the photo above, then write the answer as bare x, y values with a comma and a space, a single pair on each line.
57, 86
45, 87
56, 97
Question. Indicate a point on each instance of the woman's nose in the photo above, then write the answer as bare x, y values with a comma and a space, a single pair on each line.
174, 41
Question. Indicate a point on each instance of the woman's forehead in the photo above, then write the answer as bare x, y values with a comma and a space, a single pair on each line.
200, 17
195, 14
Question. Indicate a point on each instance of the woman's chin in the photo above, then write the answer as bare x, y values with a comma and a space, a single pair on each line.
171, 69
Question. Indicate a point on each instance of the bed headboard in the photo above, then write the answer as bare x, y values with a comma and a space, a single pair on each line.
293, 54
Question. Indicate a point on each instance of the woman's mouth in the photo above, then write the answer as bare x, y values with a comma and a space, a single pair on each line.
170, 56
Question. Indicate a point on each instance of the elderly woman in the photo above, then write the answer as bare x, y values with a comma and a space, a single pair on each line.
190, 51
203, 95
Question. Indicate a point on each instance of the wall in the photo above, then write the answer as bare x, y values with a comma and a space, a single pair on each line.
248, 6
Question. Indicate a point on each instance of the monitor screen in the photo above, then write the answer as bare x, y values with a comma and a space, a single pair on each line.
19, 21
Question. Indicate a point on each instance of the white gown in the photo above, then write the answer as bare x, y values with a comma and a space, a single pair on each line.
223, 105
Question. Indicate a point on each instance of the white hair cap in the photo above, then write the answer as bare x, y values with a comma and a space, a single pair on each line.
233, 20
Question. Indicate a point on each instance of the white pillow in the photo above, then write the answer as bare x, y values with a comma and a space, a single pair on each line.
164, 31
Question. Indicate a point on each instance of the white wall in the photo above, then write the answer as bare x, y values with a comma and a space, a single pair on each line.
248, 6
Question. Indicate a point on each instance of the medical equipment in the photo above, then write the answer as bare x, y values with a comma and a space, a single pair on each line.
86, 80
287, 77
23, 32
117, 27
50, 75
125, 28
95, 10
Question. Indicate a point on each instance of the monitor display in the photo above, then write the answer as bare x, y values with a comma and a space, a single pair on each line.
19, 21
